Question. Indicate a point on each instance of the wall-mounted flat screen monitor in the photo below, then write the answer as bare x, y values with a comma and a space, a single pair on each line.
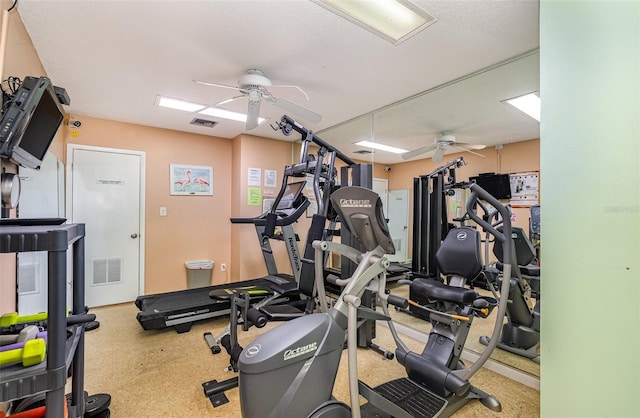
497, 185
30, 122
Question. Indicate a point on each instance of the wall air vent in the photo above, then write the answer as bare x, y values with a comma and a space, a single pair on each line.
203, 122
363, 151
107, 271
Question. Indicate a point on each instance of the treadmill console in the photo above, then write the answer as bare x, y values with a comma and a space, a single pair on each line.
291, 198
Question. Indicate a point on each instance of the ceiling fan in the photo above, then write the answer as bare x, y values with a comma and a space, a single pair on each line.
253, 86
440, 145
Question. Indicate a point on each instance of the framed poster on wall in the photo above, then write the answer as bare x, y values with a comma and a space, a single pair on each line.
191, 180
524, 189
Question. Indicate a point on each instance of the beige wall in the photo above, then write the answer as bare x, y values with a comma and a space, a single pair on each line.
254, 152
196, 227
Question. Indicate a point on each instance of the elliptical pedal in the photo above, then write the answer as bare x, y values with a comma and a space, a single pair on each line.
409, 396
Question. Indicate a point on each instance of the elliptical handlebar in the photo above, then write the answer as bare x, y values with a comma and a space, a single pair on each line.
477, 193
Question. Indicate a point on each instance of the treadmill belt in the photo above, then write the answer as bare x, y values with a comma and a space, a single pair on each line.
180, 309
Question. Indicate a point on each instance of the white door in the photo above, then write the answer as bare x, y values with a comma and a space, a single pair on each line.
41, 196
381, 186
399, 223
106, 195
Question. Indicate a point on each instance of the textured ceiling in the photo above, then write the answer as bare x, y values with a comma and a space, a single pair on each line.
115, 57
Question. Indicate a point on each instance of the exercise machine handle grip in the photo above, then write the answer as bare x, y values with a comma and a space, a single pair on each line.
256, 317
80, 319
337, 281
333, 279
397, 301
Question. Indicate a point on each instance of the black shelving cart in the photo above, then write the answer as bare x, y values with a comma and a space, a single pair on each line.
65, 345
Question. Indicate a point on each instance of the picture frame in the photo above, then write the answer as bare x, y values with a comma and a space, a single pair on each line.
191, 180
525, 189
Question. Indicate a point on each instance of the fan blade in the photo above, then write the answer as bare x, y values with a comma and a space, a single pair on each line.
292, 87
470, 146
301, 111
419, 151
437, 156
252, 114
466, 148
229, 100
216, 85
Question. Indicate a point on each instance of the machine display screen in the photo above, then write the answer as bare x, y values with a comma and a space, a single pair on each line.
291, 194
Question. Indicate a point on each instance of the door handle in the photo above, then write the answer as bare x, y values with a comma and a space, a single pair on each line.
134, 235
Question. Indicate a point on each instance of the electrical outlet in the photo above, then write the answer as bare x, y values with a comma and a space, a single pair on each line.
163, 211
223, 267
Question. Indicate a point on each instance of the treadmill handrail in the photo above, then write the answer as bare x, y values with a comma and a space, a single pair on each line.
280, 221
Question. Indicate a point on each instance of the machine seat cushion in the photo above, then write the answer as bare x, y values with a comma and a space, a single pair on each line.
434, 289
530, 270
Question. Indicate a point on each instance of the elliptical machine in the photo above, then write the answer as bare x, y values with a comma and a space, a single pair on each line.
290, 370
521, 333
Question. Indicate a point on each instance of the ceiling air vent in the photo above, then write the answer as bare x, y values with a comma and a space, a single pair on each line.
363, 151
203, 122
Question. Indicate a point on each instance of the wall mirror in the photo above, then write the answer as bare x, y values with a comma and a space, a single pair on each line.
472, 108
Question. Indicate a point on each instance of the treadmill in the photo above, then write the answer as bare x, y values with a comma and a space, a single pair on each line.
180, 309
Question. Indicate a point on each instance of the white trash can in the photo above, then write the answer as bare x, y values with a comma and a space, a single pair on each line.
199, 273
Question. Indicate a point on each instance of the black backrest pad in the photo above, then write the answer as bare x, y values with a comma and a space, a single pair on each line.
360, 211
525, 253
534, 220
460, 253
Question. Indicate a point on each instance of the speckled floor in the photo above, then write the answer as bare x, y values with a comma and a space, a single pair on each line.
160, 373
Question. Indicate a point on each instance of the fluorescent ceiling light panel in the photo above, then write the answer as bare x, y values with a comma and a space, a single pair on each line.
393, 20
202, 109
226, 114
178, 104
528, 104
381, 147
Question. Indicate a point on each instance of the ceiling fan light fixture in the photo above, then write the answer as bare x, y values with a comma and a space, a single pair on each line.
381, 147
528, 104
447, 136
393, 20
